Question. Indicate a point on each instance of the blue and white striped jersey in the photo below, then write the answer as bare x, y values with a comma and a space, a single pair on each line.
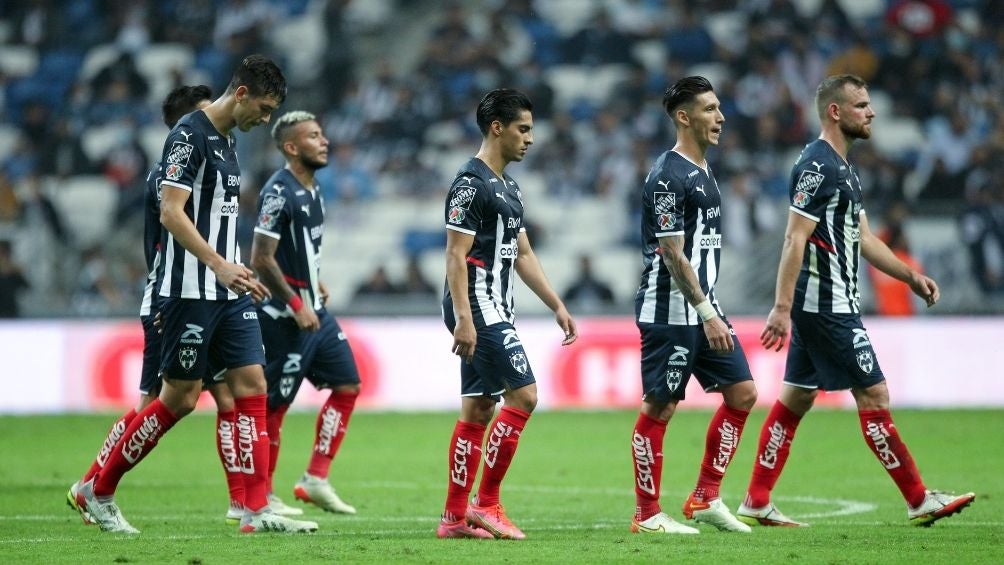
491, 209
295, 216
151, 236
826, 189
679, 198
198, 159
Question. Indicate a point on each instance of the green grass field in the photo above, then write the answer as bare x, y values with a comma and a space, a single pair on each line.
570, 489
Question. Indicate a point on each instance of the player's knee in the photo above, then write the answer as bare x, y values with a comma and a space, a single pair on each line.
741, 396
353, 389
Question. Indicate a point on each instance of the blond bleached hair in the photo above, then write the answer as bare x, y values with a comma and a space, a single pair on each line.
287, 121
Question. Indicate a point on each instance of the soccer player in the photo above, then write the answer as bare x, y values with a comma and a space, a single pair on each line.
301, 339
486, 246
208, 318
816, 299
180, 101
683, 329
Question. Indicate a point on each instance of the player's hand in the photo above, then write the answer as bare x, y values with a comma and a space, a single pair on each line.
259, 292
926, 288
567, 324
235, 277
775, 333
719, 336
307, 319
465, 339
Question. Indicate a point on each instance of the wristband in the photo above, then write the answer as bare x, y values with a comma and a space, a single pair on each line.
705, 310
296, 303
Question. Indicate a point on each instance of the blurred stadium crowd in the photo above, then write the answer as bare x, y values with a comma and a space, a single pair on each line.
395, 83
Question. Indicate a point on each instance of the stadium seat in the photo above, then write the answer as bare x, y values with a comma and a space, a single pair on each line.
87, 204
18, 60
302, 42
9, 137
898, 136
151, 138
157, 62
97, 58
97, 141
571, 82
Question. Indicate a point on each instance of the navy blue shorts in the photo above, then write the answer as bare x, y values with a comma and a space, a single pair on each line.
830, 352
323, 357
149, 380
500, 363
670, 354
202, 337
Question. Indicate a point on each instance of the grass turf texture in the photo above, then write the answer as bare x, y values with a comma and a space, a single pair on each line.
569, 488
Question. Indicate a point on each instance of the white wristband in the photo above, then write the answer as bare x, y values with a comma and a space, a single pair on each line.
705, 310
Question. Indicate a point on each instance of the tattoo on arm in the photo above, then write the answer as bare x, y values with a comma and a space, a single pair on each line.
683, 275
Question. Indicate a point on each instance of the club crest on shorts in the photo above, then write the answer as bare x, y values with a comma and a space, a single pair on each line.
519, 363
866, 361
286, 386
673, 379
187, 357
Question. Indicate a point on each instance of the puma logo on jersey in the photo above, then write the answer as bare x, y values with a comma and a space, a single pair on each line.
219, 154
187, 134
819, 166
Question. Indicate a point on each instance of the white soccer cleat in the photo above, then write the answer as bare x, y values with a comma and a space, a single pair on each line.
938, 505
714, 513
234, 514
661, 523
268, 521
766, 516
281, 508
317, 491
71, 501
105, 513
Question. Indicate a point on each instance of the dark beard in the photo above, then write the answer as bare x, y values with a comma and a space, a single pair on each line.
855, 133
312, 164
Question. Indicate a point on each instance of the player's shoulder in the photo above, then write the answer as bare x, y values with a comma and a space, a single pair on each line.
672, 170
474, 173
279, 186
818, 156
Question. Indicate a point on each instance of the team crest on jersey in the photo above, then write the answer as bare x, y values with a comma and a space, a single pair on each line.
673, 379
187, 357
809, 181
179, 153
801, 199
173, 171
866, 361
519, 363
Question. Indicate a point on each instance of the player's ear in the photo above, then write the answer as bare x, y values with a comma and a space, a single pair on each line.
497, 127
241, 94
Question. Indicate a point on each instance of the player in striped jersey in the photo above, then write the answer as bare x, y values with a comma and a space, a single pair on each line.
301, 339
180, 101
683, 329
486, 246
208, 318
816, 299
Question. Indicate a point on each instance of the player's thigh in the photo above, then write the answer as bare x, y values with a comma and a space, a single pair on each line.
499, 363
328, 358
237, 340
186, 342
840, 350
716, 370
284, 366
149, 380
668, 353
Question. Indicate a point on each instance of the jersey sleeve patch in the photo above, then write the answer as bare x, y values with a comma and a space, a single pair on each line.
664, 204
268, 215
179, 153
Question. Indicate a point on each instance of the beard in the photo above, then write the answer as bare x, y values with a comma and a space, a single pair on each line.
312, 163
859, 131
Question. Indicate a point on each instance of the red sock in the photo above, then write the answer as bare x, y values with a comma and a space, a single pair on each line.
113, 437
646, 451
138, 439
252, 449
501, 447
881, 435
776, 436
332, 421
226, 447
274, 426
720, 445
465, 454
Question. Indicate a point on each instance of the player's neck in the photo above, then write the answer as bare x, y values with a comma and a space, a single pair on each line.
837, 140
692, 151
221, 114
302, 174
493, 159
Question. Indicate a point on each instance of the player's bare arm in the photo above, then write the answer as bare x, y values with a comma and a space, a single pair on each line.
465, 337
324, 293
775, 332
233, 276
263, 260
876, 252
531, 272
671, 249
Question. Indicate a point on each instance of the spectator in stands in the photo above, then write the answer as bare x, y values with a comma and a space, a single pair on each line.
982, 229
892, 298
12, 282
378, 284
415, 282
598, 43
346, 179
587, 293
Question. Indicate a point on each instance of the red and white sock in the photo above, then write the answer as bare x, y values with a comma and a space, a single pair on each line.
772, 450
226, 448
332, 421
464, 457
646, 452
274, 426
252, 449
114, 435
503, 439
138, 440
883, 439
720, 445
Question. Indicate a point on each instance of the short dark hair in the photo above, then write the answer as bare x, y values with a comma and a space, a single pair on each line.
502, 104
684, 91
832, 90
261, 76
183, 100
